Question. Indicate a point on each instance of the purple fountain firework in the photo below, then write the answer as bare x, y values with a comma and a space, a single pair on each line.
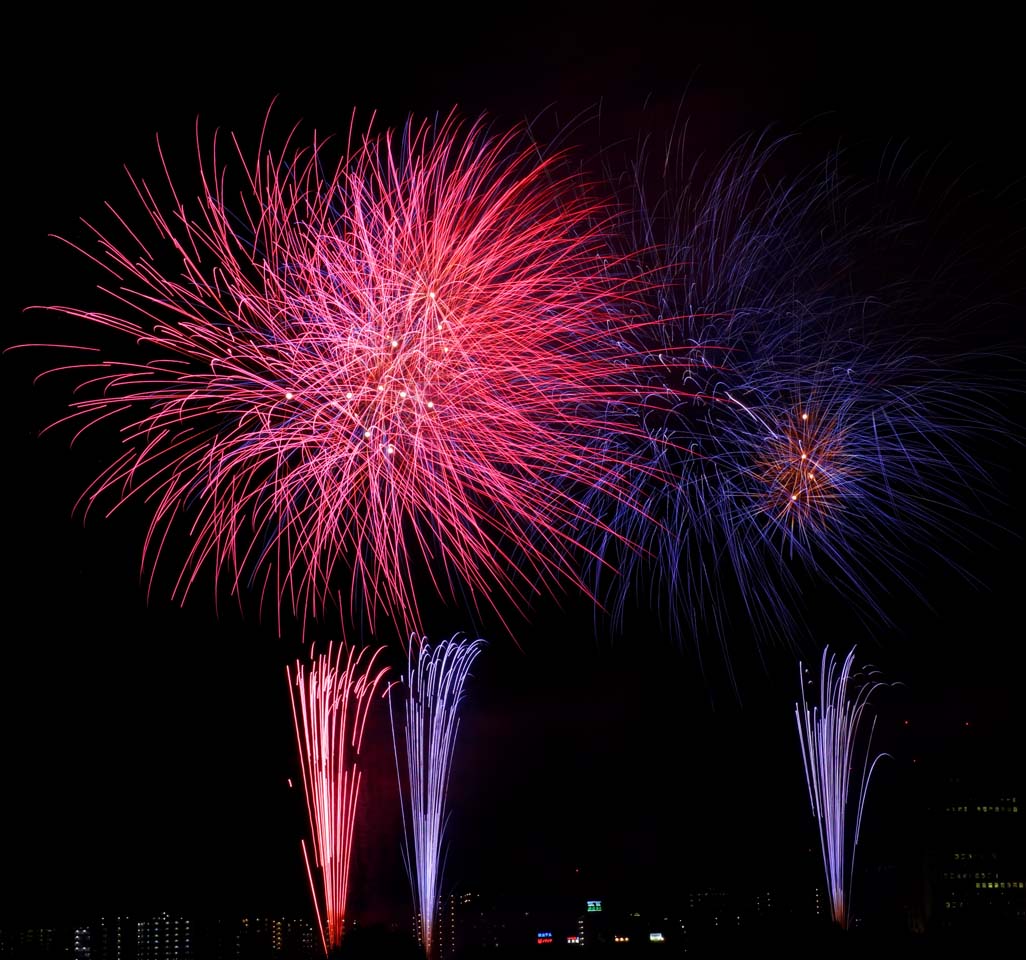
838, 768
434, 690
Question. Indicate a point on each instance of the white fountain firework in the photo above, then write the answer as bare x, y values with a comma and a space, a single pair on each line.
838, 767
434, 691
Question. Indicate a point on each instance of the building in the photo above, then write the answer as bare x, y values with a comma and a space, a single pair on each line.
164, 937
113, 938
277, 938
965, 833
976, 879
82, 943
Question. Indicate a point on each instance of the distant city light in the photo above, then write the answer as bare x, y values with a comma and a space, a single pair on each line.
656, 938
594, 906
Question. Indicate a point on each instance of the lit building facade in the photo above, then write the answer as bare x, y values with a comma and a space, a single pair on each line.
164, 937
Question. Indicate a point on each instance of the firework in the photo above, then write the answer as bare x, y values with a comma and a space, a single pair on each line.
330, 703
810, 436
348, 378
434, 691
838, 768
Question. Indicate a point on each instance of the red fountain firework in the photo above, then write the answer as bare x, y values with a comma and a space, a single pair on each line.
388, 366
330, 702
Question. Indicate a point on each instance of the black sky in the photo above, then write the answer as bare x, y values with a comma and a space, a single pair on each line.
146, 747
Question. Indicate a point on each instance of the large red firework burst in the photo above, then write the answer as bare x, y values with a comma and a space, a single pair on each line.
383, 366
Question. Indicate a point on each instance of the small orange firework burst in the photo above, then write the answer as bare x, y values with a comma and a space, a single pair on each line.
803, 468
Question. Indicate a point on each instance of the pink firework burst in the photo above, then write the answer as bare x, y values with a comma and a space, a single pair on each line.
363, 374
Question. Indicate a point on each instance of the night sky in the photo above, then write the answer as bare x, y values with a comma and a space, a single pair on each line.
146, 747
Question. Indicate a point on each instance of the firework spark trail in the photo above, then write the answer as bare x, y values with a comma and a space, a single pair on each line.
811, 431
829, 735
434, 691
386, 367
330, 703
